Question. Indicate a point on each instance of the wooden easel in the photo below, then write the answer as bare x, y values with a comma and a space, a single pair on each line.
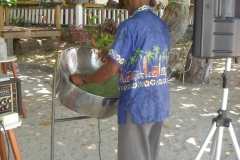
14, 71
13, 143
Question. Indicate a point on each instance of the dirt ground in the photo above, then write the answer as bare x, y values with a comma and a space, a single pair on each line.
192, 108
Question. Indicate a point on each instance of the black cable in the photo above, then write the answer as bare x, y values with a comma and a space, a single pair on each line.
99, 142
6, 139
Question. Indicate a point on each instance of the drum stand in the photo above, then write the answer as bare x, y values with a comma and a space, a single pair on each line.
54, 120
219, 123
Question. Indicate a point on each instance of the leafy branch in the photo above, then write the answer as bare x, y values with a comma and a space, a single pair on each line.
99, 39
49, 3
8, 3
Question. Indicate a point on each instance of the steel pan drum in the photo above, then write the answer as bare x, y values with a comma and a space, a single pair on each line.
82, 60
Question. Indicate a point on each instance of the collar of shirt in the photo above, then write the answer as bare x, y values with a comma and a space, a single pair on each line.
142, 8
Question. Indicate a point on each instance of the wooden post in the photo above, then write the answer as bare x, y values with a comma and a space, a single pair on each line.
7, 16
102, 15
57, 17
1, 21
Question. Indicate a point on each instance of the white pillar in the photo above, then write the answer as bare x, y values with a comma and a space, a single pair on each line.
79, 15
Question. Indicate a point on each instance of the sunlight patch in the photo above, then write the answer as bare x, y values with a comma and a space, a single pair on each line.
196, 89
61, 144
113, 129
180, 120
169, 135
49, 76
229, 151
233, 112
29, 60
208, 114
43, 91
23, 77
192, 140
91, 146
237, 88
220, 69
30, 94
180, 88
53, 60
188, 105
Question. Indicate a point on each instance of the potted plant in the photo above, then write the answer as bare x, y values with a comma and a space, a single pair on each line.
99, 37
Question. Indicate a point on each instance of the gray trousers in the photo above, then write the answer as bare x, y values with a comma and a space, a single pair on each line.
138, 141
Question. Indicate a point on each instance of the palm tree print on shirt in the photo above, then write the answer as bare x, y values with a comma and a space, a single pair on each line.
151, 63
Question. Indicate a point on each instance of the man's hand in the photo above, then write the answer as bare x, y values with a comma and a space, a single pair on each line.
76, 79
103, 56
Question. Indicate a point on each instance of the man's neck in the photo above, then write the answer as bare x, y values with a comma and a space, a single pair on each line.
139, 4
141, 8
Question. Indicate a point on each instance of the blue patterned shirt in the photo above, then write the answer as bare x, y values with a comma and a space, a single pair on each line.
141, 49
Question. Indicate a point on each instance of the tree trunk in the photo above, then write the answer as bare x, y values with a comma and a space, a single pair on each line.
176, 16
177, 19
198, 70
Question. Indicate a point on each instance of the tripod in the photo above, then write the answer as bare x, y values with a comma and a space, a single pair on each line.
219, 123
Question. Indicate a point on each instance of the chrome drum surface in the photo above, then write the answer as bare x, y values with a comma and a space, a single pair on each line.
79, 60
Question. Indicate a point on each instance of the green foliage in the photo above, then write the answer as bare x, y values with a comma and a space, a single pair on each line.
118, 15
8, 3
104, 41
49, 3
174, 4
182, 40
18, 21
19, 56
100, 40
184, 9
91, 20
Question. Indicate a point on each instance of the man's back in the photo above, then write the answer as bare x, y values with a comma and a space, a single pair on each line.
141, 49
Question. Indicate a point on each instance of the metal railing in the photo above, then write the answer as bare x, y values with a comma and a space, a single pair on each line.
118, 15
37, 15
42, 15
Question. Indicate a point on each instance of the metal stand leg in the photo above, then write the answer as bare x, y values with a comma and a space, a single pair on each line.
219, 142
206, 141
213, 147
53, 116
219, 123
234, 139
